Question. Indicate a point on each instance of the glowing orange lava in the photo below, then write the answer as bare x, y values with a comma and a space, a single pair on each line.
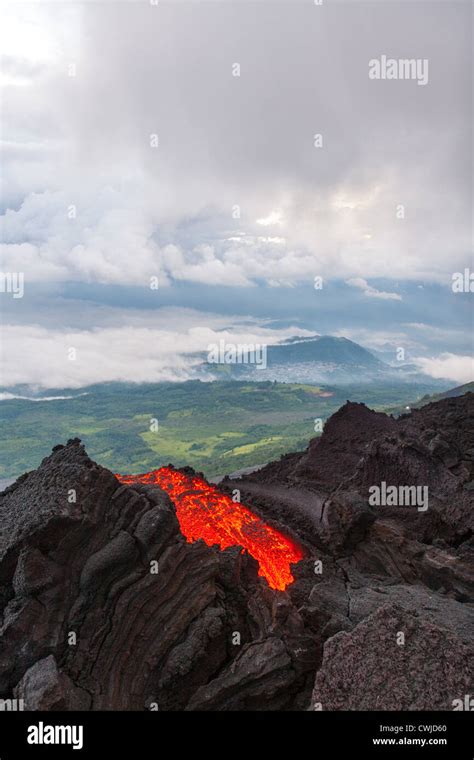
204, 512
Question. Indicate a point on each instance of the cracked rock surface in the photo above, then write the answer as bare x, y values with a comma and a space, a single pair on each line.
104, 605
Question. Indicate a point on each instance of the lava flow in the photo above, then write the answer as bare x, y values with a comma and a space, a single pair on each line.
204, 512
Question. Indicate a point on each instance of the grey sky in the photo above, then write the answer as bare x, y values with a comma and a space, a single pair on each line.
224, 141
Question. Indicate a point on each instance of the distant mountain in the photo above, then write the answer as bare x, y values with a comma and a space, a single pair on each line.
428, 398
318, 359
322, 348
460, 390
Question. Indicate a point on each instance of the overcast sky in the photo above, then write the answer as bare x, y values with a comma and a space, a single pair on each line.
132, 150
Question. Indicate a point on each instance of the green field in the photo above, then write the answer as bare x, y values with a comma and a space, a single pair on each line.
215, 427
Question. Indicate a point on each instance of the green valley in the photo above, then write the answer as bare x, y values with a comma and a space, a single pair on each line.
216, 428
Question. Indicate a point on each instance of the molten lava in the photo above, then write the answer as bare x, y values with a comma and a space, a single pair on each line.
204, 512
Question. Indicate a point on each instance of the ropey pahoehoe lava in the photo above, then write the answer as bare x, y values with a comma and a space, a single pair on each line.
204, 512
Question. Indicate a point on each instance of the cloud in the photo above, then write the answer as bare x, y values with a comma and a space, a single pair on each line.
371, 292
273, 218
10, 396
378, 340
227, 142
236, 195
459, 369
168, 352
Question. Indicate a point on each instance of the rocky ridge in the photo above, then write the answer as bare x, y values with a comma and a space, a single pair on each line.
104, 605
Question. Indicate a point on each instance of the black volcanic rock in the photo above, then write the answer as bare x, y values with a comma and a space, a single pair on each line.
420, 561
359, 448
43, 687
333, 456
86, 625
394, 661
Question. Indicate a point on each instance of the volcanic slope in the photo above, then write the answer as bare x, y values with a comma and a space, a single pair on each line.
159, 620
